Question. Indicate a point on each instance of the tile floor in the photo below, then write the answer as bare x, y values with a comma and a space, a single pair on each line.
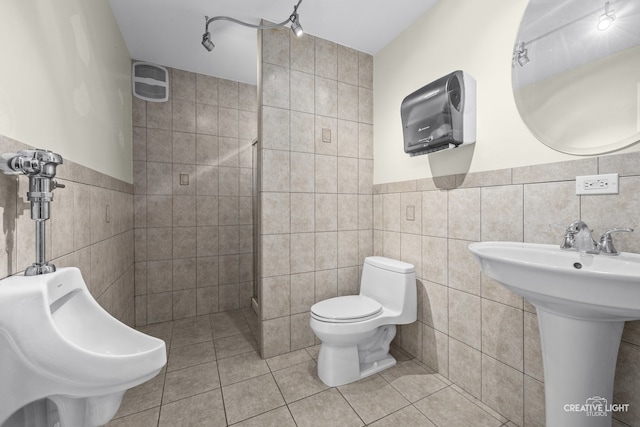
215, 377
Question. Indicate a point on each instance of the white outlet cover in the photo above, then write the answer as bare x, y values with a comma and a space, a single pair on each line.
597, 184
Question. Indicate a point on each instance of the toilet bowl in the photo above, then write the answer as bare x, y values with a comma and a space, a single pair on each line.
356, 330
58, 345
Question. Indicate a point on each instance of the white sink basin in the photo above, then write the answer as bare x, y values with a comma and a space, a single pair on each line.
582, 301
563, 281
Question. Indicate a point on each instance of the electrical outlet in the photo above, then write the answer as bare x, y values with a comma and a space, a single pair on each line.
326, 135
597, 184
411, 213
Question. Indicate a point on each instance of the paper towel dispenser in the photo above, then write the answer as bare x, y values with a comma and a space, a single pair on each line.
440, 115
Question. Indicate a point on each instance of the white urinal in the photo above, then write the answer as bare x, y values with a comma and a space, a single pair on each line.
58, 345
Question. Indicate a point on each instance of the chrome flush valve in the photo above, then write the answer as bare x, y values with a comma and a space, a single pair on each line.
40, 167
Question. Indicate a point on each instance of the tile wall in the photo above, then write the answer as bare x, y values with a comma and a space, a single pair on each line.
470, 329
193, 187
316, 148
91, 227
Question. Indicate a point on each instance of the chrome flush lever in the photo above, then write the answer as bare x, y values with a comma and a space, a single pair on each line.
40, 166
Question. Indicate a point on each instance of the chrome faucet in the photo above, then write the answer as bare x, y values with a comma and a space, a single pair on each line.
578, 236
40, 167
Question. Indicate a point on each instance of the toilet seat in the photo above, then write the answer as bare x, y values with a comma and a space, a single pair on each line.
346, 309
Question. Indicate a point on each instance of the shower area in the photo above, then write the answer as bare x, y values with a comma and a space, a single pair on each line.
193, 198
256, 198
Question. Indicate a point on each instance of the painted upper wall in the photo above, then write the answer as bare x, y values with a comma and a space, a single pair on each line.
65, 82
469, 35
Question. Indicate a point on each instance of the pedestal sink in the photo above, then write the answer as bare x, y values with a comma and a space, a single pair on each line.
582, 302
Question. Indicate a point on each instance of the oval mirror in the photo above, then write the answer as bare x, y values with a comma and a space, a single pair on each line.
576, 74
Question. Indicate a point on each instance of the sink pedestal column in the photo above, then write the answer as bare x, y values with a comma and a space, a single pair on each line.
579, 359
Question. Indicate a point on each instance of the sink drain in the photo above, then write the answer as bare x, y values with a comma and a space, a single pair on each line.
577, 265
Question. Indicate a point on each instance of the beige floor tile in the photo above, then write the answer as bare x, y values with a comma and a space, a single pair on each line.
190, 331
412, 381
242, 367
235, 345
252, 397
313, 351
251, 317
405, 417
373, 398
324, 409
399, 354
479, 403
227, 323
190, 323
204, 409
145, 396
191, 355
190, 381
280, 417
148, 418
299, 381
255, 392
449, 408
289, 359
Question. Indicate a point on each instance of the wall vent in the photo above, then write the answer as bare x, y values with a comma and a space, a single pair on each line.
150, 82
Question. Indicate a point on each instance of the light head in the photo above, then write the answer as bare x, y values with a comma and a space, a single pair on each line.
295, 25
206, 41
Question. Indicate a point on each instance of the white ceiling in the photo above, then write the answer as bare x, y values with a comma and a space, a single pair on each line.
169, 32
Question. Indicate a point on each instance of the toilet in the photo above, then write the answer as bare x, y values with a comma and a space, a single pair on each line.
356, 330
65, 362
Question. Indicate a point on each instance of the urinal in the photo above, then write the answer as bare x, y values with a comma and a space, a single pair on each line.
57, 344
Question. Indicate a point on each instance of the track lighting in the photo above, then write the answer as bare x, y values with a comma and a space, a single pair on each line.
520, 56
607, 18
295, 24
294, 19
206, 41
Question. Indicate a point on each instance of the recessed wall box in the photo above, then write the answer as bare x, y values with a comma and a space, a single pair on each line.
150, 82
440, 115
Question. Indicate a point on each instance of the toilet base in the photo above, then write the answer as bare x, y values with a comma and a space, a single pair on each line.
343, 364
92, 411
387, 362
63, 411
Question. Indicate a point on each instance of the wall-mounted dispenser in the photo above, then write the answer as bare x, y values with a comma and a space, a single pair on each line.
150, 82
440, 115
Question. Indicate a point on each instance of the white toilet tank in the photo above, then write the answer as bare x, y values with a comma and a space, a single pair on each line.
393, 284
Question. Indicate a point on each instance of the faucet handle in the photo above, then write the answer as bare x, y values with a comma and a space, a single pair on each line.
568, 238
606, 241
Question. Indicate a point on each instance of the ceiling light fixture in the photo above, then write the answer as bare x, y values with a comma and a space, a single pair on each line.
294, 19
607, 18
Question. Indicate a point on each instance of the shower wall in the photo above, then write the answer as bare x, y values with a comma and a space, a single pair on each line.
316, 153
193, 187
91, 227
